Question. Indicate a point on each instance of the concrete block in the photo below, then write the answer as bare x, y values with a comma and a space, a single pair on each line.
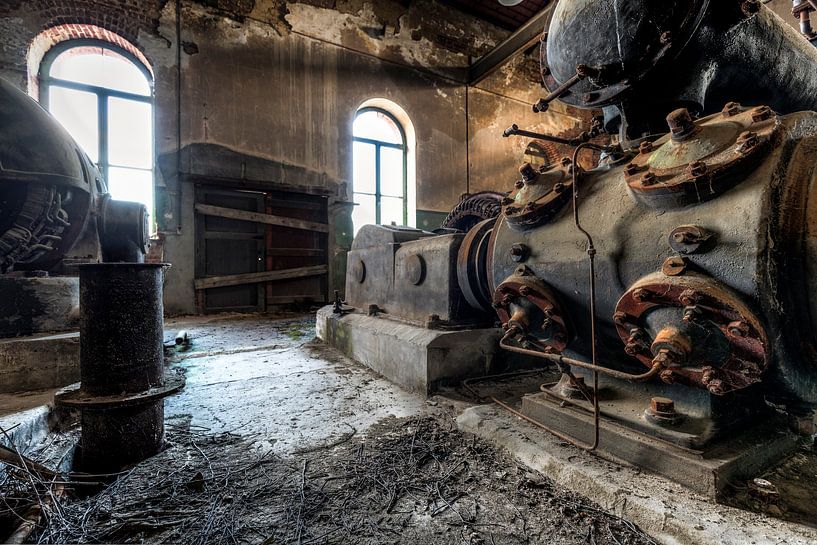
39, 362
413, 357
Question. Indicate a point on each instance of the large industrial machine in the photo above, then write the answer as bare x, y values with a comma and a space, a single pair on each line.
673, 284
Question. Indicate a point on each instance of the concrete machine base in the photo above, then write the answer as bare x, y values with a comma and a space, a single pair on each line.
668, 511
416, 358
38, 362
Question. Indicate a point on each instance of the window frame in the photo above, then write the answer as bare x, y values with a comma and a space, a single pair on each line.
378, 144
46, 81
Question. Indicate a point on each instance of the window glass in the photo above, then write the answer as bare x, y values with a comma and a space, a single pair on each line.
391, 211
130, 130
376, 125
391, 172
100, 67
364, 211
77, 111
364, 161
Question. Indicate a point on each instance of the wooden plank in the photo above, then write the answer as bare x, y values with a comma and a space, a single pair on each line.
253, 278
259, 217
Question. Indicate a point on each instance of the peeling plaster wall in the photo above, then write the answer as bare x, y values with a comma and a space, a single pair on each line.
282, 80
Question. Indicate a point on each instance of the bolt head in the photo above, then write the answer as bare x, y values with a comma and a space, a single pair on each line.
631, 169
680, 124
620, 318
662, 405
649, 178
738, 328
565, 161
730, 109
640, 294
691, 313
519, 184
558, 187
506, 201
525, 291
697, 168
667, 376
645, 147
666, 37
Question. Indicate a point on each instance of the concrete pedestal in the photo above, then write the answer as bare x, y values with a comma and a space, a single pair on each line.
29, 306
413, 357
38, 362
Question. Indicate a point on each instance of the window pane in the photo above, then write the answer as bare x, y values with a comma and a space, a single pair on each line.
131, 185
364, 168
130, 125
364, 212
377, 126
95, 65
391, 210
77, 112
391, 172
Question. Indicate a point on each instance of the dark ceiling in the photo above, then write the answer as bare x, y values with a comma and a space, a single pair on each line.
510, 18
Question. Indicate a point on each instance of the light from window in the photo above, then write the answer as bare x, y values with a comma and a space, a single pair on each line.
103, 99
379, 173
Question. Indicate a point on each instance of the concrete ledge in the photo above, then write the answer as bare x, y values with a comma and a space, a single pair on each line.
669, 512
415, 358
39, 362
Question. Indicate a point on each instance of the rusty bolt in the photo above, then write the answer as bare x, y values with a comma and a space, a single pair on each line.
692, 313
631, 169
738, 328
750, 7
496, 306
667, 376
662, 406
506, 201
620, 318
761, 113
666, 37
649, 178
565, 161
674, 266
689, 297
528, 207
636, 334
545, 71
680, 236
730, 109
633, 349
645, 147
716, 387
511, 210
680, 124
746, 141
696, 169
584, 71
641, 295
707, 375
519, 252
527, 171
558, 187
519, 184
525, 291
507, 300
763, 490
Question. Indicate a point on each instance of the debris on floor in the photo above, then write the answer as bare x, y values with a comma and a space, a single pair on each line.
412, 480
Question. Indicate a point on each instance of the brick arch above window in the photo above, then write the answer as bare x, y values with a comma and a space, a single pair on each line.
52, 36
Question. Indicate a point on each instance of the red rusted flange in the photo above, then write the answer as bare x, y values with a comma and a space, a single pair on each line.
538, 196
523, 286
703, 298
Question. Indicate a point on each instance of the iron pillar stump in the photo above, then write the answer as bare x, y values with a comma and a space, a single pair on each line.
123, 382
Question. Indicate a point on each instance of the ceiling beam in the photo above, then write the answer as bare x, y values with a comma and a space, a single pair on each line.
526, 36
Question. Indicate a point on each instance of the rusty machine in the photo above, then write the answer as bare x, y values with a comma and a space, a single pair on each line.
57, 221
673, 284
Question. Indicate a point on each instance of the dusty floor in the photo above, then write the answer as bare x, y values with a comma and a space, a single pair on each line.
276, 439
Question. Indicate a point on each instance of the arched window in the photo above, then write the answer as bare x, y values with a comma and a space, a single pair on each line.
103, 96
380, 169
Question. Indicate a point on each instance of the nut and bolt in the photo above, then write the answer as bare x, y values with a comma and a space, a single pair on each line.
716, 387
750, 7
680, 236
730, 109
696, 169
666, 37
641, 295
519, 184
527, 171
558, 187
667, 376
689, 297
680, 124
662, 406
620, 318
506, 201
519, 252
747, 140
631, 169
633, 349
645, 147
674, 266
507, 299
692, 313
524, 291
565, 161
649, 178
738, 328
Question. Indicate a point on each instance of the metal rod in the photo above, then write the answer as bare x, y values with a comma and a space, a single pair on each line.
514, 130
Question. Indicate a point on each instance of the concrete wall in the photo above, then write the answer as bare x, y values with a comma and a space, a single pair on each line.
281, 81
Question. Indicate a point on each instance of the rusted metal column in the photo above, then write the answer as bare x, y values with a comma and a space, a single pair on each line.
121, 365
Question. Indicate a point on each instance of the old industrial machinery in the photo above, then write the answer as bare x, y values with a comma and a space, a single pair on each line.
55, 212
673, 284
56, 216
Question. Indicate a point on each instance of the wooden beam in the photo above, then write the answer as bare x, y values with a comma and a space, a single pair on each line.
258, 217
256, 277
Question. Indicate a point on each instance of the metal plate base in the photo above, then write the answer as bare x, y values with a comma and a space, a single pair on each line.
730, 459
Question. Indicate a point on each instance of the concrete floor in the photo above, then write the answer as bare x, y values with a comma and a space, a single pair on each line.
269, 381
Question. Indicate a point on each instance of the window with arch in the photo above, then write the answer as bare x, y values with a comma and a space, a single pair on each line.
103, 96
380, 169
